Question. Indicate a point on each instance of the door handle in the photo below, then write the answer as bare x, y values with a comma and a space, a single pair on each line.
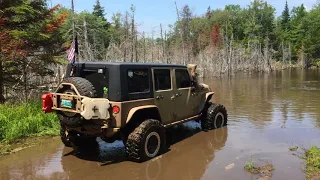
159, 97
173, 97
178, 94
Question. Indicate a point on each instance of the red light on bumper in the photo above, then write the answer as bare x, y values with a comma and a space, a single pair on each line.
47, 103
115, 109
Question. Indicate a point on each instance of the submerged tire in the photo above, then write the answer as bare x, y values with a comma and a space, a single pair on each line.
146, 141
85, 88
71, 139
215, 117
64, 138
206, 123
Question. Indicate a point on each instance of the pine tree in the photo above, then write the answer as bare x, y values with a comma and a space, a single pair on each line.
28, 31
285, 18
208, 14
98, 10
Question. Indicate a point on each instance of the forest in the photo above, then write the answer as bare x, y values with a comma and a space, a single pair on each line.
34, 38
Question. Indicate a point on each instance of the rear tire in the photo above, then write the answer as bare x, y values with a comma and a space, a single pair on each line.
215, 117
85, 88
63, 135
71, 139
146, 141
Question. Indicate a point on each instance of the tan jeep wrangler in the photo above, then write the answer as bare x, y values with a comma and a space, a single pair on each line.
132, 102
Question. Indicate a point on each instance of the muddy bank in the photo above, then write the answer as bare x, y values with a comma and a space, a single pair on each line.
22, 144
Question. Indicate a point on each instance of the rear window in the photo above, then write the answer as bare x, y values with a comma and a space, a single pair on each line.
138, 80
99, 79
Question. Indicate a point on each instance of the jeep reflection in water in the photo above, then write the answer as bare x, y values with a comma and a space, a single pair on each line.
133, 102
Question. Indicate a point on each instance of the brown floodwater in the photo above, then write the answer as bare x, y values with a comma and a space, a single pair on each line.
268, 113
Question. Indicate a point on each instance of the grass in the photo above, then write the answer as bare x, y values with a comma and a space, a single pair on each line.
312, 160
249, 166
265, 170
25, 120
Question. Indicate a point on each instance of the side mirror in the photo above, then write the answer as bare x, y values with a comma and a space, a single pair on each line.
193, 83
193, 89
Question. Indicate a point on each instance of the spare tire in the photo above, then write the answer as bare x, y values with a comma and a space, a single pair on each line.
85, 88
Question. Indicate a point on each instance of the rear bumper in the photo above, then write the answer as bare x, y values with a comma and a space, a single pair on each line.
96, 131
89, 108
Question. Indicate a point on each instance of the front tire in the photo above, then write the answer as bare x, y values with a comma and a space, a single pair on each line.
215, 117
146, 141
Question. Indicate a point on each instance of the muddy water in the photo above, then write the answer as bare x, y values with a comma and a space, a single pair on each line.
267, 115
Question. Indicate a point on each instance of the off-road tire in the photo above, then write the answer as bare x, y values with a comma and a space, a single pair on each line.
206, 123
64, 137
137, 142
215, 116
85, 88
72, 140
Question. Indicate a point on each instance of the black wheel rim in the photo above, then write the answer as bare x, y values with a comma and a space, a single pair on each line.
219, 120
152, 144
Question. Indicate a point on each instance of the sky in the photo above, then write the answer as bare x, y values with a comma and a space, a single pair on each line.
151, 13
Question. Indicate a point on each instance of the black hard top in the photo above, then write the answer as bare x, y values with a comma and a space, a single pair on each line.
127, 64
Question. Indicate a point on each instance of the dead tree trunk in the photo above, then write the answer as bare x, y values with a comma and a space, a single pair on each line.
162, 42
144, 48
25, 81
86, 42
133, 36
2, 99
283, 54
165, 47
181, 36
152, 46
126, 24
136, 47
290, 56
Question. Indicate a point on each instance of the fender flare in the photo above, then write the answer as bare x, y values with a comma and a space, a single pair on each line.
136, 109
209, 96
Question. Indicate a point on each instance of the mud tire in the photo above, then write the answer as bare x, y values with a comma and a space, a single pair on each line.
85, 88
214, 117
137, 142
206, 123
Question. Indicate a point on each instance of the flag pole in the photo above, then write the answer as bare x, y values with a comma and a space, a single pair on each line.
74, 31
73, 25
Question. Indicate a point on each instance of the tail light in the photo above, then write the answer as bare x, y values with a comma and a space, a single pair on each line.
47, 103
115, 109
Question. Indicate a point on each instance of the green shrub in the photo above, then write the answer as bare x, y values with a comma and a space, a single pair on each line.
20, 121
313, 163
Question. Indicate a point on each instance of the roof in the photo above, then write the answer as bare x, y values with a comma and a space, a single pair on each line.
131, 64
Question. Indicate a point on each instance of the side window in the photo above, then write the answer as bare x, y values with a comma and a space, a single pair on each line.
138, 80
182, 78
162, 79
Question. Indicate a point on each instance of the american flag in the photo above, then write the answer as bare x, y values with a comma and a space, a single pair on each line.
72, 51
